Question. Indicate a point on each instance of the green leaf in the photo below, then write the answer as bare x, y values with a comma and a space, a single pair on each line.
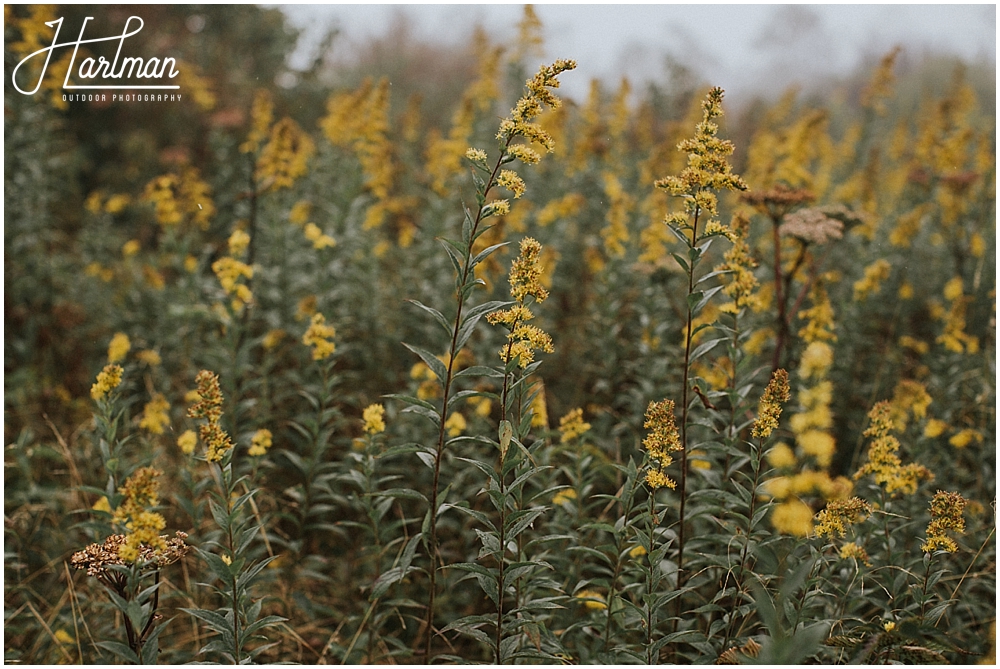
438, 316
121, 650
485, 253
216, 621
430, 360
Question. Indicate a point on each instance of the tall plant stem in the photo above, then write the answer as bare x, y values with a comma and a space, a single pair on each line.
449, 377
778, 298
685, 401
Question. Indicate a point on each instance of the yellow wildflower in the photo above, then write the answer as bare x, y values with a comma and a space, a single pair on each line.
119, 347
781, 455
833, 520
852, 550
769, 409
637, 552
319, 239
299, 212
209, 407
320, 336
225, 558
285, 156
238, 242
935, 428
572, 426
102, 505
816, 360
150, 357
130, 248
662, 440
871, 282
594, 601
187, 442
793, 517
883, 460
456, 424
155, 415
141, 492
260, 443
272, 338
564, 496
107, 380
374, 417
526, 272
965, 437
909, 396
62, 636
946, 514
818, 444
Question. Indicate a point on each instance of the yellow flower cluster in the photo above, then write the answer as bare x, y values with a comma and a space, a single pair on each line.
150, 357
852, 550
107, 380
320, 336
141, 492
179, 198
119, 347
615, 233
572, 426
520, 122
819, 317
229, 271
155, 415
260, 443
707, 168
526, 272
187, 442
319, 239
946, 514
209, 407
360, 120
662, 440
769, 408
565, 207
456, 424
908, 397
883, 461
238, 242
261, 115
374, 417
793, 517
739, 262
871, 282
285, 156
833, 520
525, 280
592, 600
965, 437
955, 338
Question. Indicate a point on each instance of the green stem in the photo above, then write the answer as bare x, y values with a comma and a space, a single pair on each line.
449, 377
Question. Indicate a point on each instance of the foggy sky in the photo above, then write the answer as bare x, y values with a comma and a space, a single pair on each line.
742, 48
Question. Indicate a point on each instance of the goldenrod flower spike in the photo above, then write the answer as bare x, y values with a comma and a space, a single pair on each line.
769, 410
572, 426
260, 443
374, 417
141, 493
946, 514
107, 380
883, 459
662, 440
320, 337
209, 407
838, 514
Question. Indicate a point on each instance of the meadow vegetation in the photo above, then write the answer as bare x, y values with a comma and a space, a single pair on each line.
369, 368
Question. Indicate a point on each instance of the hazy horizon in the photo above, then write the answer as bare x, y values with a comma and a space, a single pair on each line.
743, 48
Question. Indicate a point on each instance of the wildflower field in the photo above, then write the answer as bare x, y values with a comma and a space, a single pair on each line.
398, 364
